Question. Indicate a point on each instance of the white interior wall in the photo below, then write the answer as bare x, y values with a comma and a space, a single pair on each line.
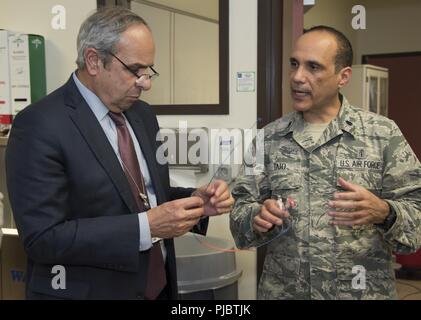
336, 14
392, 26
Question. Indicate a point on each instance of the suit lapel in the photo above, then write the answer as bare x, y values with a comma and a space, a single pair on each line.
89, 127
145, 142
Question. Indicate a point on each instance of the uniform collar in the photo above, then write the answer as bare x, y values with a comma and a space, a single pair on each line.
346, 118
344, 121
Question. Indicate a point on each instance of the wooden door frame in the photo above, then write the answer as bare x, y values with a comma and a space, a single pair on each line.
269, 75
269, 60
271, 36
365, 57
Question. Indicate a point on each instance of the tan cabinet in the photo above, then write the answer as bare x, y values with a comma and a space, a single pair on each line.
368, 88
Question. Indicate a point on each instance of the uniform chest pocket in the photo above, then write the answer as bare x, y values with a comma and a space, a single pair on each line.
368, 179
286, 186
285, 172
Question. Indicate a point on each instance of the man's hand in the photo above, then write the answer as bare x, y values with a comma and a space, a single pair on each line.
175, 218
270, 214
364, 207
216, 197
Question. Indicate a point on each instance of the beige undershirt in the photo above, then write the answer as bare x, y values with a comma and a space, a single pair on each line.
315, 130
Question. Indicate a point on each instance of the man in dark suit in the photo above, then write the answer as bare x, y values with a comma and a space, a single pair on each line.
86, 189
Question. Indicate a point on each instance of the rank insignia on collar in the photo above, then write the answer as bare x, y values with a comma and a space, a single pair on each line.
361, 153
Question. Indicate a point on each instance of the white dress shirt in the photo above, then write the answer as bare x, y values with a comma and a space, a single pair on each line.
109, 127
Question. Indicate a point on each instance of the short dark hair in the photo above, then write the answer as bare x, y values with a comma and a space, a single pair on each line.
344, 54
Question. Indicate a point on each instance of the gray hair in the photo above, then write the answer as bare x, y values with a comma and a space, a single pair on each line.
102, 31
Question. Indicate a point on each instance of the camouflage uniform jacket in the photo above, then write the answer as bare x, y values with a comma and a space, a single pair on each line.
315, 260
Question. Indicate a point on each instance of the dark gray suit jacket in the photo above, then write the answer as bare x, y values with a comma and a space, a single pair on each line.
72, 202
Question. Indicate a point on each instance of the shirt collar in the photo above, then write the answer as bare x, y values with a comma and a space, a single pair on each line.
345, 120
97, 106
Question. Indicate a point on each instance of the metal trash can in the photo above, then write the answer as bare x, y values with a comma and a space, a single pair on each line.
206, 268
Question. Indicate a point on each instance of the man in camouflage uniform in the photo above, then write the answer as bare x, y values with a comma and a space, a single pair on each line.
355, 180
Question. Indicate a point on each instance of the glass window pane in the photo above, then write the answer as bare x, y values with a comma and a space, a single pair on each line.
373, 94
383, 96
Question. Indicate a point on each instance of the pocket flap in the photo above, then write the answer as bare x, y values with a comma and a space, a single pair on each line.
363, 178
286, 182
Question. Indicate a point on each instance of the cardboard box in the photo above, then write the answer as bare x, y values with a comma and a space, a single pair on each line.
13, 266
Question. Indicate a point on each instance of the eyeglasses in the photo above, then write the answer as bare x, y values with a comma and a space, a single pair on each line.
143, 76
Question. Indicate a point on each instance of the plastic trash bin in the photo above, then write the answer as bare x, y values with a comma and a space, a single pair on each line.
206, 268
